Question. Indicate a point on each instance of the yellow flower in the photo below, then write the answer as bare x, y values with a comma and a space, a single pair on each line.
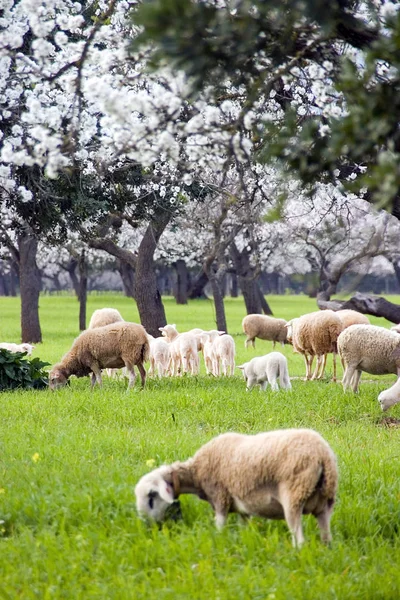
36, 457
150, 462
2, 491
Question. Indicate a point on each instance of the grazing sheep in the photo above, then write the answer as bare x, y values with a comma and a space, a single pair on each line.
160, 356
224, 354
265, 370
315, 334
104, 316
368, 348
17, 347
265, 328
114, 346
277, 474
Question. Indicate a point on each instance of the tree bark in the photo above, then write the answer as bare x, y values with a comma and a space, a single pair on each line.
30, 284
264, 304
366, 304
182, 279
82, 291
71, 267
127, 274
197, 288
218, 296
148, 297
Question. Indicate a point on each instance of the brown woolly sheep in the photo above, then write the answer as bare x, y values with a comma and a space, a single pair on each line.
277, 475
264, 328
114, 346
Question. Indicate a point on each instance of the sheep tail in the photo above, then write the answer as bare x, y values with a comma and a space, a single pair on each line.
145, 352
327, 482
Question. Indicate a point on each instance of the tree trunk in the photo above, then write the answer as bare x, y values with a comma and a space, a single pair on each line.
14, 269
366, 304
218, 296
30, 283
127, 274
148, 297
82, 291
198, 285
182, 279
264, 304
234, 285
71, 267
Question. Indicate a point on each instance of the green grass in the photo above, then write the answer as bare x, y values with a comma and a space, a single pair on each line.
69, 461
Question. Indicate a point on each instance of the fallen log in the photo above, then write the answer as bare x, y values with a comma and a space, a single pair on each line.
366, 304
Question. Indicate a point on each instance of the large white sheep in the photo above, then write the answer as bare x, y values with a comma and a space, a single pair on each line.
28, 348
115, 346
104, 316
224, 354
278, 475
368, 348
264, 328
266, 370
315, 334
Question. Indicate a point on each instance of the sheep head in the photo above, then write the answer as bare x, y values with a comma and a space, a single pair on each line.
57, 378
155, 496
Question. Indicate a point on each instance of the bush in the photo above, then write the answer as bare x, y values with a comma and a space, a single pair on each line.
16, 371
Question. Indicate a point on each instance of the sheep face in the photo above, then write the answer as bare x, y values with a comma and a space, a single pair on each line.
155, 496
57, 379
388, 398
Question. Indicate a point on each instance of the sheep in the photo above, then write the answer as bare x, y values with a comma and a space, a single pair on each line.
265, 328
104, 316
368, 348
315, 334
116, 345
277, 474
265, 370
160, 356
207, 340
224, 354
28, 348
183, 348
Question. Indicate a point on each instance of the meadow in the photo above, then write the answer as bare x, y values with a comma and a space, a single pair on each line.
69, 461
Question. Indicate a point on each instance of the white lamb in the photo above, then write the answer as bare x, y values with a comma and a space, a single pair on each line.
390, 397
210, 360
265, 370
17, 347
160, 356
224, 354
183, 349
277, 475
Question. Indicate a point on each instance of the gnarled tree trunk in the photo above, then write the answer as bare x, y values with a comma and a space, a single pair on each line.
366, 304
30, 284
182, 281
82, 291
197, 286
127, 273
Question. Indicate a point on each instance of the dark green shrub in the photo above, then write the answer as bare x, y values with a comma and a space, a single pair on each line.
17, 371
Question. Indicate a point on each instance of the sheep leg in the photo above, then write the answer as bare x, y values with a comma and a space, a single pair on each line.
317, 370
264, 385
309, 361
132, 375
142, 373
96, 375
347, 377
334, 366
355, 380
293, 520
323, 365
324, 520
220, 520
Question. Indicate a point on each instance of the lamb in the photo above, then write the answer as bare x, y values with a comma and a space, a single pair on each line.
265, 328
160, 356
265, 370
368, 348
28, 348
315, 334
224, 354
208, 339
116, 345
391, 396
277, 474
104, 316
183, 348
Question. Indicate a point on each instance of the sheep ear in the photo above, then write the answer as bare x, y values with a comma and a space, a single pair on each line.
240, 367
166, 491
221, 332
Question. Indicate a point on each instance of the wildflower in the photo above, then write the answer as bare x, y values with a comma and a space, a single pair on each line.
36, 457
150, 462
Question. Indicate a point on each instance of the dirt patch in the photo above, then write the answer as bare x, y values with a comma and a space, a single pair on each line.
389, 422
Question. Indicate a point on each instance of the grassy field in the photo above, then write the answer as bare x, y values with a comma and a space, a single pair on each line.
69, 461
